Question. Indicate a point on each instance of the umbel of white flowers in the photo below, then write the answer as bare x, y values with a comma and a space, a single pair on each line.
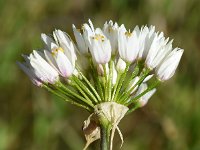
108, 71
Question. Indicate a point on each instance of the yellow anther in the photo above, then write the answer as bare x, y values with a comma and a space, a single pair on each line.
99, 37
128, 33
60, 49
110, 29
83, 27
79, 30
55, 50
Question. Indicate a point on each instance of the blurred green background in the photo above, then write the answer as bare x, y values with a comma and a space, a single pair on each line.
33, 119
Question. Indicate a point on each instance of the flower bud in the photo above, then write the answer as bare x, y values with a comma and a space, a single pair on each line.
100, 69
121, 65
144, 99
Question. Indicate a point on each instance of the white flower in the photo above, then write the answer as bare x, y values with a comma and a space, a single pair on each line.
42, 70
60, 62
108, 65
128, 45
159, 49
144, 99
61, 53
81, 43
145, 40
100, 49
168, 66
98, 43
88, 32
111, 32
66, 43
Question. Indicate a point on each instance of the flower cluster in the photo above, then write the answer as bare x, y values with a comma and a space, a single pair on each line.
109, 64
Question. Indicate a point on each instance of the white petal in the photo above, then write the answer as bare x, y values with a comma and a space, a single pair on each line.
30, 74
144, 99
80, 41
64, 64
148, 78
111, 32
51, 59
156, 50
47, 40
168, 67
43, 69
87, 34
133, 83
91, 25
100, 69
53, 46
100, 50
132, 47
66, 43
162, 53
128, 44
114, 77
122, 45
141, 89
99, 31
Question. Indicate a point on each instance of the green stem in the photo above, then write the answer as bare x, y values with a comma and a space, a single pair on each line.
105, 134
116, 84
133, 108
121, 80
86, 100
74, 100
105, 83
133, 75
110, 80
104, 142
91, 87
99, 85
67, 99
84, 88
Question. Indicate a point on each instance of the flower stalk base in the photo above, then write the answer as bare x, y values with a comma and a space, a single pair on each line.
103, 122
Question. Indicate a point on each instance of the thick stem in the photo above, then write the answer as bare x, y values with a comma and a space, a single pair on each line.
105, 134
104, 141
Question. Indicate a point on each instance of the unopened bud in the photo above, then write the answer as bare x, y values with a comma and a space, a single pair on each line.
121, 65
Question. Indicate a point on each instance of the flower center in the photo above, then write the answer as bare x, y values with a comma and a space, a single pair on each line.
55, 50
99, 37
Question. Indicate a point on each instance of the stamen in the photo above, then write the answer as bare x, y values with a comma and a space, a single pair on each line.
110, 29
99, 37
79, 30
83, 27
55, 50
128, 33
